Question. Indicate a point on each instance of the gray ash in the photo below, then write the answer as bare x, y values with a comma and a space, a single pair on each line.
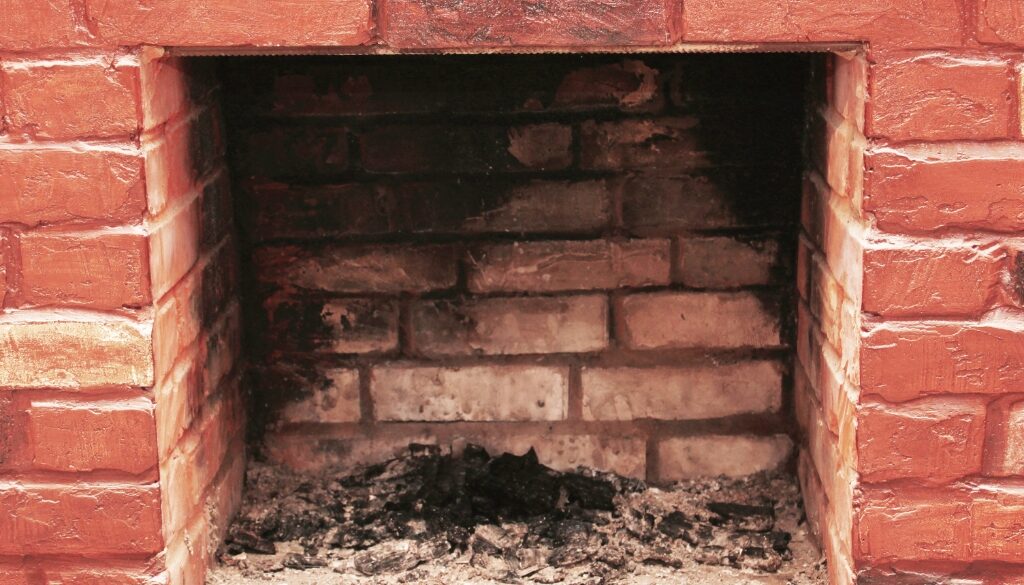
506, 518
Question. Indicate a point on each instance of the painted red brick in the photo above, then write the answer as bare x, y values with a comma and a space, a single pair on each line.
902, 362
940, 97
58, 186
939, 187
35, 25
231, 22
7, 266
482, 23
97, 519
1012, 461
911, 523
94, 99
926, 279
89, 436
930, 23
75, 354
1000, 21
997, 520
105, 572
932, 439
106, 271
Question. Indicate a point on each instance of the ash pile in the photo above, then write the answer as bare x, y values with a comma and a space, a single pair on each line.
441, 516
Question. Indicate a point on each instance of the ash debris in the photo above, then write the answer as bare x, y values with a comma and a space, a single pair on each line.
469, 517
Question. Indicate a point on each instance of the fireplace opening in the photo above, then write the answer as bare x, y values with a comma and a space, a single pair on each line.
600, 261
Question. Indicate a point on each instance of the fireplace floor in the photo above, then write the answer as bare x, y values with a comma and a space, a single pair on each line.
433, 517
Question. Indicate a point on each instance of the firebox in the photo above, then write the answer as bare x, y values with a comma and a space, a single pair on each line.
593, 257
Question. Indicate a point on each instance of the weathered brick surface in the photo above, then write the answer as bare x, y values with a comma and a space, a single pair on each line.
999, 21
74, 354
940, 97
418, 24
927, 280
924, 24
1012, 462
35, 25
902, 362
106, 271
231, 22
686, 319
474, 206
97, 519
337, 402
356, 269
58, 186
509, 326
467, 149
280, 152
946, 187
115, 435
569, 265
734, 456
933, 439
476, 393
678, 393
662, 144
338, 326
724, 262
78, 100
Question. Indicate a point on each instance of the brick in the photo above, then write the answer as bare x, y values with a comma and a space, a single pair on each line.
569, 265
999, 21
475, 393
663, 144
997, 518
625, 455
471, 205
74, 354
679, 393
82, 518
934, 439
928, 279
904, 361
283, 152
58, 186
630, 85
337, 326
105, 271
181, 158
190, 470
724, 262
117, 435
36, 25
420, 24
710, 200
231, 23
850, 88
685, 319
929, 23
940, 97
174, 248
360, 269
183, 391
466, 149
173, 87
912, 523
192, 308
7, 266
506, 326
681, 458
1012, 461
931, 188
338, 402
64, 102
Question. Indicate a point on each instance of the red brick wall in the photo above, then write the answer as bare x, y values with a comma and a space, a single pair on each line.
941, 207
591, 257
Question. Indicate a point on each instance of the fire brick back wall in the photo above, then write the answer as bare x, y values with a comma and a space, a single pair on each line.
590, 256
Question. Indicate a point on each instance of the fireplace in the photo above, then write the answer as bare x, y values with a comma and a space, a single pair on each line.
302, 260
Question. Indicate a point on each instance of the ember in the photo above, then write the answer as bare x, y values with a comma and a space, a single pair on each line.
464, 515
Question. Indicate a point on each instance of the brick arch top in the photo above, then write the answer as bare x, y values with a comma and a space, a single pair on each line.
445, 24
